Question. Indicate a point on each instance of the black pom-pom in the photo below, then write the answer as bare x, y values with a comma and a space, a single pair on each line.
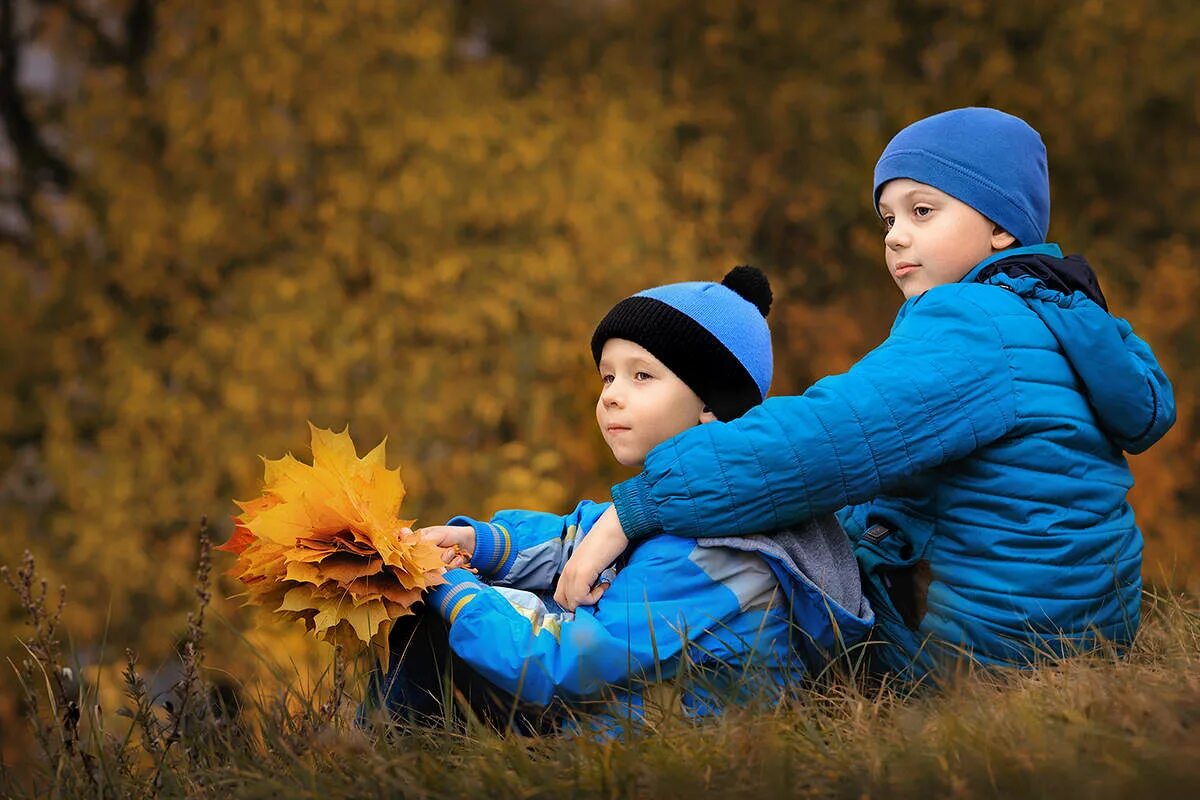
752, 284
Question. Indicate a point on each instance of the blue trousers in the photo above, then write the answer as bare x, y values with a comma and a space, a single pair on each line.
427, 684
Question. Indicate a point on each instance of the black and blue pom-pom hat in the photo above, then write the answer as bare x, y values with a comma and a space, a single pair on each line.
714, 336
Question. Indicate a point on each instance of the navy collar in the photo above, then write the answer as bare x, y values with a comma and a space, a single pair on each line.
1044, 263
1044, 249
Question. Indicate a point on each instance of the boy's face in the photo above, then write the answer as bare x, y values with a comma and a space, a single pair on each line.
932, 238
642, 403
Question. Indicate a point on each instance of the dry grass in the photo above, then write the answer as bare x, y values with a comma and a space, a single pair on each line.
1097, 726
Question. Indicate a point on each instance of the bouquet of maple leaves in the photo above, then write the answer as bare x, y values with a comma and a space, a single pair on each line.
325, 544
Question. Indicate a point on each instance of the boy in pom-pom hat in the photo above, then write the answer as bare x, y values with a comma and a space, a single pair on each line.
977, 456
746, 615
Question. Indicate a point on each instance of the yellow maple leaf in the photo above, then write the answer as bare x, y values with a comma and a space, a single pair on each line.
324, 543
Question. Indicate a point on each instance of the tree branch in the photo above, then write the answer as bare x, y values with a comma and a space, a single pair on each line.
37, 161
108, 50
138, 25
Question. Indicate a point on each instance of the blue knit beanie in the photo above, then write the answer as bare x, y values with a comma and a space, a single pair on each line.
992, 161
714, 336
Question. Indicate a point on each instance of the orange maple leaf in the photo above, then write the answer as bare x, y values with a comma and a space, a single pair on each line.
324, 543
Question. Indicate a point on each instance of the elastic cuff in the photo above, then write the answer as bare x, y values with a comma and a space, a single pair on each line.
460, 588
494, 553
635, 508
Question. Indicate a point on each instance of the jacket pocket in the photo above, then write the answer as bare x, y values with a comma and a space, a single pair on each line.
896, 571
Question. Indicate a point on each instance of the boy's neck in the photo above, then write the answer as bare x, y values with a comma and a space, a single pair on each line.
1044, 249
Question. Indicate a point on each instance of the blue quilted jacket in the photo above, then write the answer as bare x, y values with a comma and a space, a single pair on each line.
976, 458
742, 622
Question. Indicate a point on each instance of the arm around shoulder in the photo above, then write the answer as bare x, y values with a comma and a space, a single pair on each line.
937, 389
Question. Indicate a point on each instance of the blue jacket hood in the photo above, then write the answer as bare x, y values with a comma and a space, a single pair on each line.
1123, 382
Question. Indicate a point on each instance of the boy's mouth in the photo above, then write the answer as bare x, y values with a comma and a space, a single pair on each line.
903, 268
615, 429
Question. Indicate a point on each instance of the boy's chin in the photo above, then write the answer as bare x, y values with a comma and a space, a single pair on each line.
629, 459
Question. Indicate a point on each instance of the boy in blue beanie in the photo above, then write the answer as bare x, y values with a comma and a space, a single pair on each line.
748, 614
976, 457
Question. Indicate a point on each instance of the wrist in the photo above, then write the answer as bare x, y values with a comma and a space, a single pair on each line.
635, 508
449, 598
493, 554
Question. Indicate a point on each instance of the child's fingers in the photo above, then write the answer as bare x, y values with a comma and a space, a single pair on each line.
571, 588
452, 536
434, 533
603, 543
595, 594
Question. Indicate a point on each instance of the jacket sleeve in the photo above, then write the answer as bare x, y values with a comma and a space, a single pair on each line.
1159, 396
527, 549
938, 388
637, 631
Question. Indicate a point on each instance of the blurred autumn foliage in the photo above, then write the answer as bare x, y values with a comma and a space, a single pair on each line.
219, 220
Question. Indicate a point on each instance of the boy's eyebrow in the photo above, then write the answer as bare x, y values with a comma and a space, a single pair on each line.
635, 361
916, 191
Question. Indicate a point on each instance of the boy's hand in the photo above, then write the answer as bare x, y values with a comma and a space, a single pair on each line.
458, 542
603, 543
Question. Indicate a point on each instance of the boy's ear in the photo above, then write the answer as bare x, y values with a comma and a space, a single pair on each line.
707, 416
1002, 239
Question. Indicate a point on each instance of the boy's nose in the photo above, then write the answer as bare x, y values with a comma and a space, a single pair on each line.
896, 236
611, 396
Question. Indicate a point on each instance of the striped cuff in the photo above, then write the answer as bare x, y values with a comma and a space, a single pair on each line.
635, 508
460, 588
494, 552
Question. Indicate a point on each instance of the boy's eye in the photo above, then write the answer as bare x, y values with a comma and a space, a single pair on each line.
922, 211
642, 376
606, 379
888, 222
